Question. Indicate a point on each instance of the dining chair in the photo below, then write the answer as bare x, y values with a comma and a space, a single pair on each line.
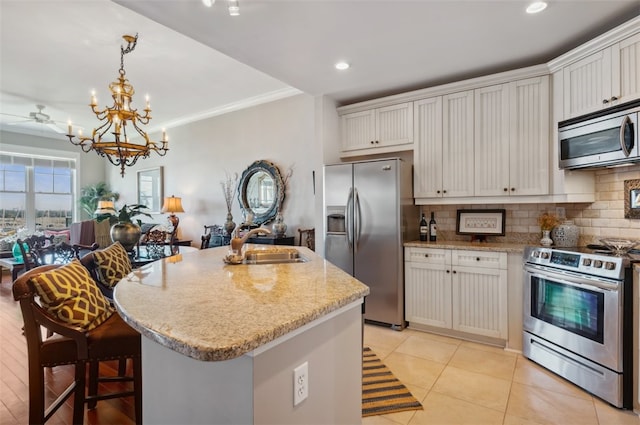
60, 253
86, 330
213, 236
308, 236
28, 244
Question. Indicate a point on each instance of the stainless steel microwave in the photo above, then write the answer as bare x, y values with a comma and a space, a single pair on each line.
601, 139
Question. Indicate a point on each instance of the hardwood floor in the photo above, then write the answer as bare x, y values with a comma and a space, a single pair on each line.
14, 377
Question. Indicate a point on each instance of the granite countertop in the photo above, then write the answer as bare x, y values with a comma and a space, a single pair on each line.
480, 246
199, 306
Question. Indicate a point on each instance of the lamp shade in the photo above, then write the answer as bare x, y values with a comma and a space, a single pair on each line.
105, 207
172, 205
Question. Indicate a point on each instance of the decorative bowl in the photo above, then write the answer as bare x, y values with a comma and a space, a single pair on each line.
619, 246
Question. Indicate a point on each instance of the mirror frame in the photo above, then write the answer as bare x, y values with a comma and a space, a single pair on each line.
150, 187
271, 169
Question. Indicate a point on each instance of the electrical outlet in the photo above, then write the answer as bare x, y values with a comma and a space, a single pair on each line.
560, 212
300, 383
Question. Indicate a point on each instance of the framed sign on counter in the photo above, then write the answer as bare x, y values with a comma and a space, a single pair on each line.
480, 223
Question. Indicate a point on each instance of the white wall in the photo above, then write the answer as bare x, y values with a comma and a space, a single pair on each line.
202, 152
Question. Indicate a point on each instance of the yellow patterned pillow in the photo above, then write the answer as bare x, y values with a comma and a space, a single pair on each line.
113, 264
69, 294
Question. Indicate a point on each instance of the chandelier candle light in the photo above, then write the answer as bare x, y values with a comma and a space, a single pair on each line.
115, 119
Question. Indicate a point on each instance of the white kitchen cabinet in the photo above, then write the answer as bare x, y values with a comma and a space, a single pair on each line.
512, 138
607, 77
461, 290
443, 152
491, 141
457, 144
479, 285
427, 152
377, 130
428, 287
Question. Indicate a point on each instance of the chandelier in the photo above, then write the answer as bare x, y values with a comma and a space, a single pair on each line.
117, 119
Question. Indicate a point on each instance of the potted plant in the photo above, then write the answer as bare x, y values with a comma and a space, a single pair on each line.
123, 229
90, 196
547, 222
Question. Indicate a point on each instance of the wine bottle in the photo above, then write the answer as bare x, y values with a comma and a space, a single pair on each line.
432, 228
424, 229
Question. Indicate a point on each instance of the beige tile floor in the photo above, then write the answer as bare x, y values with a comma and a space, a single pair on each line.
461, 382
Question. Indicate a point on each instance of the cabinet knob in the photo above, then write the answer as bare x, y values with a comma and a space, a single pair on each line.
437, 191
477, 258
454, 272
444, 191
614, 98
605, 101
372, 142
448, 271
377, 142
426, 255
513, 189
505, 189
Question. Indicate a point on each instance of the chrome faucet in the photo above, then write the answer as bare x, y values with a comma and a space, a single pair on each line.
236, 242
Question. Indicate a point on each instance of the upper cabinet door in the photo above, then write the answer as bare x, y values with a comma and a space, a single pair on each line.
358, 130
378, 130
529, 137
457, 144
427, 150
625, 59
587, 84
394, 125
491, 140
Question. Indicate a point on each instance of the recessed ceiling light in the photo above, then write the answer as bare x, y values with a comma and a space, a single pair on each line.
537, 6
208, 3
342, 66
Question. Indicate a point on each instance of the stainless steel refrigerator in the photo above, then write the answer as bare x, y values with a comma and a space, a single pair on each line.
370, 213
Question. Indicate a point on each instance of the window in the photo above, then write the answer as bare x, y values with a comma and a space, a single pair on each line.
36, 192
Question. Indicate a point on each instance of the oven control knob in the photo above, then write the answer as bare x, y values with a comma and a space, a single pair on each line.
586, 262
597, 264
536, 254
544, 255
610, 265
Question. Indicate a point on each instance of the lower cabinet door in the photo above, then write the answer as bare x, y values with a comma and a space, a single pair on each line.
428, 294
480, 301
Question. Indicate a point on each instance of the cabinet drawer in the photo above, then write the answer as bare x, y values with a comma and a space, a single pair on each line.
428, 255
482, 259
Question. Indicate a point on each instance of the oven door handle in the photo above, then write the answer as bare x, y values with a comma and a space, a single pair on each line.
570, 278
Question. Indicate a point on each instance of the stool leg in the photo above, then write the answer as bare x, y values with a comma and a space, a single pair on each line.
122, 367
137, 387
36, 395
94, 370
78, 397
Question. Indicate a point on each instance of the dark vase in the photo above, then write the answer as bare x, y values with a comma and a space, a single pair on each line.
229, 225
128, 234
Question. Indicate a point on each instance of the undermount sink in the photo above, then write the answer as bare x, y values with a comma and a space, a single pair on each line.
270, 256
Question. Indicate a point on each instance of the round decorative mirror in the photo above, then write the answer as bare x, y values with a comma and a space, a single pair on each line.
261, 191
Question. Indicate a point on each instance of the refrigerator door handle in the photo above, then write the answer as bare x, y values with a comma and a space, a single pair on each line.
347, 219
357, 219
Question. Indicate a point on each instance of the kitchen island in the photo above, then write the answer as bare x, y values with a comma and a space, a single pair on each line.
220, 342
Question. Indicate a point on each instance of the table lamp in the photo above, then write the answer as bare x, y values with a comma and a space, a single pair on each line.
173, 205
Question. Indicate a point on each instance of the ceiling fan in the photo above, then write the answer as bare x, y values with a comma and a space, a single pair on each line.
38, 117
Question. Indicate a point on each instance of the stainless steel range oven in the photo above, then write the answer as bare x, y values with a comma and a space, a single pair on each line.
578, 319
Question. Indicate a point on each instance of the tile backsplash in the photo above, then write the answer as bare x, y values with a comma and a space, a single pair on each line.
603, 218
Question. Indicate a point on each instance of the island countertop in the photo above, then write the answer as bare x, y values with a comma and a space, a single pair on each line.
199, 306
